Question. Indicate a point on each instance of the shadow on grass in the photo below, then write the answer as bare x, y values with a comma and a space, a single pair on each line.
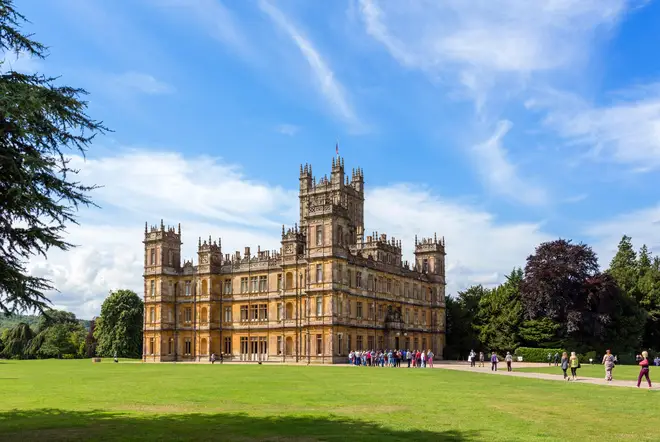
53, 424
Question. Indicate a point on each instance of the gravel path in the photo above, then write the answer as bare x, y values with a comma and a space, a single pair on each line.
550, 377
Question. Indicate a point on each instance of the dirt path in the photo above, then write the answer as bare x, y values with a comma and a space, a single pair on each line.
549, 377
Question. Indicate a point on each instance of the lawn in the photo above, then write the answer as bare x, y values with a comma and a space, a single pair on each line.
621, 372
78, 400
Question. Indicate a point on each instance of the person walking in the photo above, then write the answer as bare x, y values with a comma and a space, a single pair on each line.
429, 358
644, 369
509, 359
493, 362
608, 362
472, 358
564, 365
556, 357
574, 363
481, 359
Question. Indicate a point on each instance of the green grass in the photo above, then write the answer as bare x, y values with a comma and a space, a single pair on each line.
620, 372
78, 400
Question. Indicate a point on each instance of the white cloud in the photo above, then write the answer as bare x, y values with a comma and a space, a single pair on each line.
141, 82
626, 131
208, 196
288, 129
643, 226
331, 89
499, 174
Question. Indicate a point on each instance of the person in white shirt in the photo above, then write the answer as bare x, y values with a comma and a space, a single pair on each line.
509, 359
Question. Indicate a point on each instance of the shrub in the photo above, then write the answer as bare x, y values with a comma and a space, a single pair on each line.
68, 356
536, 354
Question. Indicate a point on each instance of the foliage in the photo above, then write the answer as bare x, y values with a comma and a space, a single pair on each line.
538, 354
10, 321
119, 328
39, 122
16, 340
461, 316
541, 332
623, 267
90, 341
500, 314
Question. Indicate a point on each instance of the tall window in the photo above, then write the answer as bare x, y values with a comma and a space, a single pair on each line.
407, 316
415, 317
244, 345
263, 312
319, 272
359, 343
350, 347
227, 345
151, 346
370, 342
380, 312
348, 309
370, 282
244, 313
153, 288
381, 343
152, 314
254, 312
340, 273
339, 308
187, 288
244, 285
340, 236
340, 342
359, 310
170, 346
319, 344
425, 265
389, 286
254, 284
263, 283
227, 289
153, 257
280, 311
319, 306
372, 312
279, 282
279, 345
187, 314
350, 278
227, 314
187, 350
319, 235
170, 258
358, 279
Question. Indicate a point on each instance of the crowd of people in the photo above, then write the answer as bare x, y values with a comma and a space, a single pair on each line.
391, 358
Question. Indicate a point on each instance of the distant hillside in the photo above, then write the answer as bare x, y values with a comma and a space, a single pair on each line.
31, 320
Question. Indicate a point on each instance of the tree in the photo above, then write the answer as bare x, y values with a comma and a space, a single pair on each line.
500, 314
119, 328
461, 314
16, 341
624, 267
39, 122
90, 341
542, 332
51, 317
649, 288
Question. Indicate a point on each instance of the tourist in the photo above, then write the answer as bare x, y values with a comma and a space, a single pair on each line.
509, 359
212, 358
408, 357
481, 359
564, 365
493, 362
429, 358
644, 369
549, 359
472, 358
608, 362
351, 358
556, 359
574, 363
116, 358
422, 356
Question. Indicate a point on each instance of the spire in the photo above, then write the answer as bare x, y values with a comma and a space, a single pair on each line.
415, 239
145, 227
162, 225
435, 238
179, 229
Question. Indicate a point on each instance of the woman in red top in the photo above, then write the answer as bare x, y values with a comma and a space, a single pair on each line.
644, 371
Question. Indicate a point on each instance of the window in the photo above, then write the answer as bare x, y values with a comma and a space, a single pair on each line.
415, 317
416, 343
358, 279
350, 278
348, 308
227, 345
244, 345
244, 313
319, 272
244, 285
170, 257
187, 347
340, 341
254, 345
280, 311
187, 314
151, 346
339, 308
406, 342
425, 265
227, 314
423, 343
152, 314
254, 284
319, 235
227, 289
340, 273
389, 286
319, 306
370, 342
359, 343
359, 310
263, 283
372, 309
153, 288
279, 345
263, 345
279, 282
170, 346
340, 236
407, 316
254, 312
319, 344
381, 343
350, 347
187, 288
406, 289
263, 312
380, 311
370, 282
153, 257
397, 288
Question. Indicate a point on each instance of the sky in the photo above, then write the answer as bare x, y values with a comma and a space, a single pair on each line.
498, 124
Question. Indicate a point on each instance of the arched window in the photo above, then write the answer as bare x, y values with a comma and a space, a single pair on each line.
288, 283
205, 315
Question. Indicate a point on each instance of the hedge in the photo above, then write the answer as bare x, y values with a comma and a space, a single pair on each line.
537, 354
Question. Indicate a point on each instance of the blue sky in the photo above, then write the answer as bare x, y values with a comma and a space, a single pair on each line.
498, 124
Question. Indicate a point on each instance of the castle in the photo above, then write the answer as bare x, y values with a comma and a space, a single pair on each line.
327, 291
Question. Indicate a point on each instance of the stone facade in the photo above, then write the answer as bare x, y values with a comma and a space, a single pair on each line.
328, 289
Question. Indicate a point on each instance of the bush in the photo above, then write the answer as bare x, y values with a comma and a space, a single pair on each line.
68, 356
536, 354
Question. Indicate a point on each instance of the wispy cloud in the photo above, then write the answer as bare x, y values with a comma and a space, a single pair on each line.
141, 83
499, 174
288, 129
331, 89
626, 131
